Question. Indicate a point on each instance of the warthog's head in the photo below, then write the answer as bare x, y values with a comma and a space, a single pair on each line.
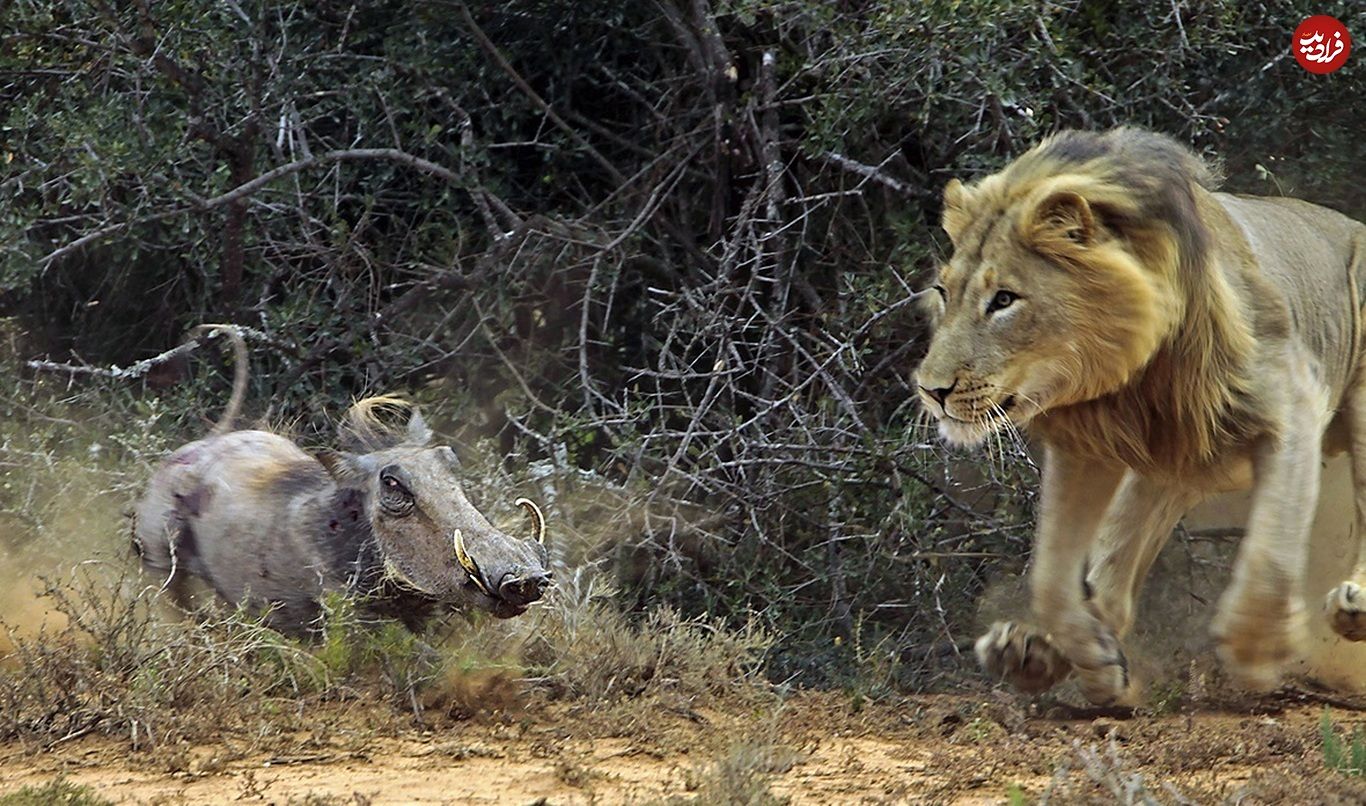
430, 536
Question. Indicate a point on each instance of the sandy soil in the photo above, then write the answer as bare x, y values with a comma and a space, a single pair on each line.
814, 748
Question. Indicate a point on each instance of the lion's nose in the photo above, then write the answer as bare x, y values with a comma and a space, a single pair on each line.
523, 589
941, 394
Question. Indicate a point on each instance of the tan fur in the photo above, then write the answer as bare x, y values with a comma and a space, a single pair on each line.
1165, 341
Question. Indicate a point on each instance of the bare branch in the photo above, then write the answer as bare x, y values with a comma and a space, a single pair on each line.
871, 172
345, 155
533, 96
140, 368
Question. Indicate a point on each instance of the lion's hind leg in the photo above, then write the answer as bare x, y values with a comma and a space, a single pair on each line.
1346, 603
1262, 622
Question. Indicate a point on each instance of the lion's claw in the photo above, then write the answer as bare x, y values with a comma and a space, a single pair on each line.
1022, 657
1031, 661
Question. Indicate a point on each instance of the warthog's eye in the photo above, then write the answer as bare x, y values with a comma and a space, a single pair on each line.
394, 498
1001, 300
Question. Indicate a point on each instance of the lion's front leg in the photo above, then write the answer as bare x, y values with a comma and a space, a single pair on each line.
1032, 659
1262, 621
1067, 634
1136, 527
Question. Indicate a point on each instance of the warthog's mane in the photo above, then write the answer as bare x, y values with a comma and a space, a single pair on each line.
377, 423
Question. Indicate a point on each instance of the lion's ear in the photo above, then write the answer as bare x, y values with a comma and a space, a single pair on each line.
956, 217
1061, 221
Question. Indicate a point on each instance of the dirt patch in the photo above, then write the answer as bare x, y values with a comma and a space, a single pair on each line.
959, 749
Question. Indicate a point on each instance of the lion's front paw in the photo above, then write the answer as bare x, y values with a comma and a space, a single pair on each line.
1346, 606
1255, 643
1022, 656
1109, 682
1098, 659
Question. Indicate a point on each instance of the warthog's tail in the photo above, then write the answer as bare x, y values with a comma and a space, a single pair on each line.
239, 375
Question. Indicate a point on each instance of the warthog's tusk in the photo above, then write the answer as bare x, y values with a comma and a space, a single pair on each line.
537, 519
467, 563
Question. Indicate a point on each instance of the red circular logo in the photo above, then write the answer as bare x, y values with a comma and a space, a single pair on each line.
1321, 44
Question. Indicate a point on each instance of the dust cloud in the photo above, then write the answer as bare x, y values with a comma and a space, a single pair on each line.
57, 515
66, 482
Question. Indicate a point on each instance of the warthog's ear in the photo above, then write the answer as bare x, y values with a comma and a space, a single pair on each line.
956, 215
344, 467
418, 432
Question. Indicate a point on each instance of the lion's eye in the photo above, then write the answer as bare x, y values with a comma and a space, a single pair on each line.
943, 292
1002, 300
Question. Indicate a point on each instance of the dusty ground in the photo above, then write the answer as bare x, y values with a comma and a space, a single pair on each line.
812, 749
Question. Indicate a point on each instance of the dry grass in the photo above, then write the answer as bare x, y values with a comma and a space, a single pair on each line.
55, 793
588, 649
580, 647
740, 775
1103, 776
118, 669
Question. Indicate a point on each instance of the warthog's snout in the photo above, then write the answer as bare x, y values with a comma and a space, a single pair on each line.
520, 587
511, 573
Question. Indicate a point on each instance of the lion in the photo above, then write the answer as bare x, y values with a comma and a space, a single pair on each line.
1164, 342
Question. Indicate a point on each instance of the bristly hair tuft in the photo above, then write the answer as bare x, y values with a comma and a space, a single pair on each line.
375, 423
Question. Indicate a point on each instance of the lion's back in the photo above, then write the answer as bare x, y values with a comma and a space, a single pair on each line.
1316, 258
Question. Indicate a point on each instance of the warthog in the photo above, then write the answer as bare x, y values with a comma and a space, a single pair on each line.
270, 526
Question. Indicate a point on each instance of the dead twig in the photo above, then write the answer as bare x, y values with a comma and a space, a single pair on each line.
871, 172
140, 368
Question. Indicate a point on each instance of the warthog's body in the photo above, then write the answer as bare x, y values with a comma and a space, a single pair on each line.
268, 525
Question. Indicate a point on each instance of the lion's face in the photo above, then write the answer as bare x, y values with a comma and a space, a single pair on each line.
1042, 305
